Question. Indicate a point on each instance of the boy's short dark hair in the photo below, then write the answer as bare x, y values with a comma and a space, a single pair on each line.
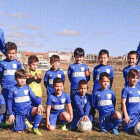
104, 74
82, 82
133, 73
133, 52
54, 58
57, 80
10, 46
20, 73
79, 51
32, 59
103, 51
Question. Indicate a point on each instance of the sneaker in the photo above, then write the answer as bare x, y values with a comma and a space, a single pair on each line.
29, 124
115, 131
63, 127
3, 125
36, 131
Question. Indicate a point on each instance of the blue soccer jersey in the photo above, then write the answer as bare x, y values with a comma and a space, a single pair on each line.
77, 72
82, 105
57, 103
8, 68
2, 41
96, 73
49, 76
104, 101
132, 96
21, 99
125, 73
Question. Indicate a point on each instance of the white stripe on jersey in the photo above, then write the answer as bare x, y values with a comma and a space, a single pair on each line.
78, 74
134, 99
9, 72
22, 99
58, 107
104, 102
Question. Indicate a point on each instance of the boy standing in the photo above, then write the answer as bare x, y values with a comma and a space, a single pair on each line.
19, 105
103, 58
56, 106
34, 77
82, 105
131, 102
77, 72
7, 70
104, 100
53, 73
132, 60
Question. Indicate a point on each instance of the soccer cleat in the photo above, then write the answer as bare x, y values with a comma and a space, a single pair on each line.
63, 127
115, 131
36, 131
29, 124
3, 125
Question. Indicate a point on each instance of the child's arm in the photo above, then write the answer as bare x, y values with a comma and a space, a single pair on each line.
111, 77
111, 82
2, 105
127, 119
63, 76
47, 115
70, 111
87, 110
69, 73
45, 80
113, 99
87, 74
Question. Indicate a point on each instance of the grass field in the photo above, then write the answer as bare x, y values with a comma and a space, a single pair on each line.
8, 134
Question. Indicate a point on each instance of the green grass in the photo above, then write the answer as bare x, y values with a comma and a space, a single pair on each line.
8, 134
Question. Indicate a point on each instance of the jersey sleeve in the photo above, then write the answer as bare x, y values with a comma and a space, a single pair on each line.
69, 73
2, 41
94, 102
87, 73
2, 101
94, 74
68, 100
87, 107
124, 73
1, 67
46, 77
63, 76
124, 93
10, 101
19, 65
113, 99
49, 100
112, 73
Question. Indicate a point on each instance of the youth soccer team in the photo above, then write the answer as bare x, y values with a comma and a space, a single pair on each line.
21, 93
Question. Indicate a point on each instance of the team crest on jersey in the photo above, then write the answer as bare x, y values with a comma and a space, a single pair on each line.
138, 92
82, 68
98, 70
73, 67
85, 101
50, 75
15, 92
5, 65
26, 92
63, 100
53, 100
108, 70
130, 91
59, 75
14, 66
109, 96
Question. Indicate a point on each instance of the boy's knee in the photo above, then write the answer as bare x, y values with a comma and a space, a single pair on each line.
118, 115
67, 117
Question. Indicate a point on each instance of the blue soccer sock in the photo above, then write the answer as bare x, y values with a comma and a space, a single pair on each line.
116, 123
63, 122
37, 120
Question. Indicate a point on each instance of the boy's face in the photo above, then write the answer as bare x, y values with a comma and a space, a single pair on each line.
104, 82
79, 59
58, 88
103, 59
33, 66
21, 81
55, 65
11, 54
133, 80
132, 59
83, 89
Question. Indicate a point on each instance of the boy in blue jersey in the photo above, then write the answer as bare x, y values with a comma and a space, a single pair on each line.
132, 60
77, 72
56, 106
131, 102
82, 105
2, 107
19, 105
7, 70
104, 101
53, 73
103, 58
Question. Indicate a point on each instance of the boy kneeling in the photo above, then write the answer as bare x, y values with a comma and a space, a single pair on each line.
19, 99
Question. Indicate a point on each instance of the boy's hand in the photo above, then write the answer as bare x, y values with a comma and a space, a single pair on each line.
85, 118
127, 119
48, 124
71, 118
11, 118
40, 109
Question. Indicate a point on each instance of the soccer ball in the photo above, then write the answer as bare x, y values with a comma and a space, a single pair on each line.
85, 126
137, 129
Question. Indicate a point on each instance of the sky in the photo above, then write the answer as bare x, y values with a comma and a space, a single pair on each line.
63, 25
